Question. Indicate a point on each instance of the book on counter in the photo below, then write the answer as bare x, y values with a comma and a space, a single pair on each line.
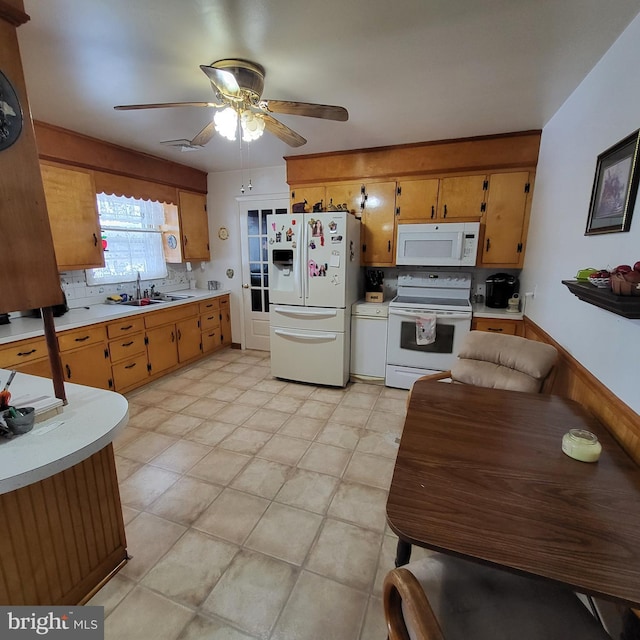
45, 406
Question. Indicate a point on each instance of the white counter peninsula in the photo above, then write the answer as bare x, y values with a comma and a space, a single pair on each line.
60, 515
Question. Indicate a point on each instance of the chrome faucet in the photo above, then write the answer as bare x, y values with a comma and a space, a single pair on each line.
138, 292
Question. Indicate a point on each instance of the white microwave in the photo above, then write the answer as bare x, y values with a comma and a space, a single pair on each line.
447, 244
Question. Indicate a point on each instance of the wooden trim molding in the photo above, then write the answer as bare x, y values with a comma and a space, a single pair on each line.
573, 381
13, 13
68, 147
483, 153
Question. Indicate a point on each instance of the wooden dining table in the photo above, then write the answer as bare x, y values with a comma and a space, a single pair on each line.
480, 474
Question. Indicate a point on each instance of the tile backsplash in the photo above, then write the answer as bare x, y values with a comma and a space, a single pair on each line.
80, 294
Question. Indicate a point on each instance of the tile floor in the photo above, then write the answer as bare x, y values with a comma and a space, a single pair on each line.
254, 507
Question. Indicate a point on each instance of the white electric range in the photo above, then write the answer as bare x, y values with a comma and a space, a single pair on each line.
444, 294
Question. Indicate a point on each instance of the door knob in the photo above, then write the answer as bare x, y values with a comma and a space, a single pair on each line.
245, 286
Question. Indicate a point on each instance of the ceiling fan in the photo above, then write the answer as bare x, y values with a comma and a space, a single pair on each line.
238, 86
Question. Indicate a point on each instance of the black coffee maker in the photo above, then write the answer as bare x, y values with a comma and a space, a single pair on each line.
499, 288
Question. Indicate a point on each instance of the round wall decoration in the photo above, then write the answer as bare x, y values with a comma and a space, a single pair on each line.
172, 241
10, 113
223, 233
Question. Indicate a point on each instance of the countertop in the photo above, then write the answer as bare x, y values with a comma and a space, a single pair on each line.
21, 328
480, 310
89, 422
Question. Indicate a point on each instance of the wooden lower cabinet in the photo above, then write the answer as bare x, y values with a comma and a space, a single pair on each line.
127, 353
63, 536
26, 356
162, 348
225, 322
89, 366
505, 326
85, 357
189, 342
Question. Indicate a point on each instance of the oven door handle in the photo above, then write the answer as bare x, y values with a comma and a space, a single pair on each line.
439, 314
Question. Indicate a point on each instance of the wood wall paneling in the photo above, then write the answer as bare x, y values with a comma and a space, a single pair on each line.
483, 153
27, 259
68, 147
62, 535
574, 381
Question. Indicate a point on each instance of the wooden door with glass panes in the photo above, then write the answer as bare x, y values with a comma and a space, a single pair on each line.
254, 218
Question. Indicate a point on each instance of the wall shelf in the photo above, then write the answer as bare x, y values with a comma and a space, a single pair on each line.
626, 306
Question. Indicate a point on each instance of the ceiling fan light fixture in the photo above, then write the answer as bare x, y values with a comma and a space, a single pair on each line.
226, 123
252, 126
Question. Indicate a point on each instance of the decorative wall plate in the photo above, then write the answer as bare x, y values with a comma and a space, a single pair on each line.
223, 233
172, 241
10, 114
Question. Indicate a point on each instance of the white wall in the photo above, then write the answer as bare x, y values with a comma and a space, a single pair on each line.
603, 110
222, 207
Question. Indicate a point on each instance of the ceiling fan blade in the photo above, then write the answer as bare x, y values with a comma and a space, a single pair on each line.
163, 105
283, 132
324, 111
205, 135
224, 81
183, 144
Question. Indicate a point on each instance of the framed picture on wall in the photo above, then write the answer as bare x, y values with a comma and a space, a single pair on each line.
614, 188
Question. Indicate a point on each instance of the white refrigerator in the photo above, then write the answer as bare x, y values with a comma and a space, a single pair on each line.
314, 277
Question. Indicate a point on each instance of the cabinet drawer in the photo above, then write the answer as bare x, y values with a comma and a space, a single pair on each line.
126, 347
209, 305
508, 327
81, 338
210, 340
224, 303
158, 318
130, 371
210, 320
23, 351
124, 327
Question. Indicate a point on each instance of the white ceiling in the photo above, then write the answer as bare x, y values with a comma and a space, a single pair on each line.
407, 70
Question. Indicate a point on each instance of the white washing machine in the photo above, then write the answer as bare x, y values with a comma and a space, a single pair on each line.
369, 340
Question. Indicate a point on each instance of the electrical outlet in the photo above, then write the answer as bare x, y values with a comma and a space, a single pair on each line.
480, 289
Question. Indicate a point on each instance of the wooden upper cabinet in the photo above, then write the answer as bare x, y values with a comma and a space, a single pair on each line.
350, 194
417, 200
73, 215
310, 195
462, 197
378, 224
194, 225
506, 219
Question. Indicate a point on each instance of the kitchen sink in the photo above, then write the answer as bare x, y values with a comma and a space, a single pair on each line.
145, 302
172, 297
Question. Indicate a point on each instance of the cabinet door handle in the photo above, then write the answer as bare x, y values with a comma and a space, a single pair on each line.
185, 240
82, 339
179, 335
126, 328
488, 244
95, 240
389, 246
495, 329
433, 212
130, 366
445, 211
26, 353
68, 368
173, 337
127, 344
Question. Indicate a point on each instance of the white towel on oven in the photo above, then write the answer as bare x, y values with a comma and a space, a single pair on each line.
426, 329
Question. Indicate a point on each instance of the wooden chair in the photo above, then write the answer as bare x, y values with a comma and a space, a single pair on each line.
501, 362
443, 597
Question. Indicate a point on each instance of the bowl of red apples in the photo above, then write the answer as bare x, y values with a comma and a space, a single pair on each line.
625, 280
